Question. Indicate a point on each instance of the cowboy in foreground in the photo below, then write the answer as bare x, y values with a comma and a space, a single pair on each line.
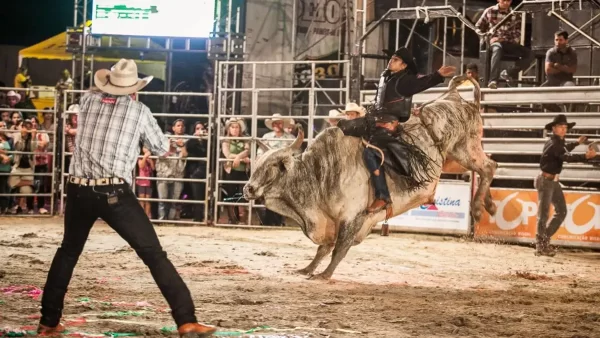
555, 152
393, 104
111, 125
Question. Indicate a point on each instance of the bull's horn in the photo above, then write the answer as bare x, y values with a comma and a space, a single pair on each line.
299, 139
262, 146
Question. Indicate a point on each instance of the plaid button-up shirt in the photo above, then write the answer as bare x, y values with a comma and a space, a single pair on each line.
109, 130
509, 31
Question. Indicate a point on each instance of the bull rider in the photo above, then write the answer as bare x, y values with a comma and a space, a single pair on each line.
381, 126
555, 152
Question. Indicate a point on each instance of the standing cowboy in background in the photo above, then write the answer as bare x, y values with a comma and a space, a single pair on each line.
107, 145
555, 152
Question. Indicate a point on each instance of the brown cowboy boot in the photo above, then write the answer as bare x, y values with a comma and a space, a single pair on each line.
377, 205
196, 330
47, 330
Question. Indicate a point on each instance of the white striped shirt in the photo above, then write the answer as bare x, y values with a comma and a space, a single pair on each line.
109, 130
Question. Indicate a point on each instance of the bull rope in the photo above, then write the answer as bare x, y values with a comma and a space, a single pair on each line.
369, 145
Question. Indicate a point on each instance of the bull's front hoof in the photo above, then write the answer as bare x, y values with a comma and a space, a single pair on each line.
320, 276
491, 209
304, 272
476, 216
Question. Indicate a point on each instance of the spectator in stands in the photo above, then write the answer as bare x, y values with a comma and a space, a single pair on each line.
22, 79
21, 177
505, 39
172, 169
13, 98
561, 62
65, 82
547, 182
5, 114
472, 73
144, 187
197, 170
70, 133
41, 183
238, 151
274, 140
290, 127
353, 111
5, 168
335, 116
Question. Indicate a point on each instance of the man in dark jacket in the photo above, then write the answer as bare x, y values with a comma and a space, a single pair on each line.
393, 104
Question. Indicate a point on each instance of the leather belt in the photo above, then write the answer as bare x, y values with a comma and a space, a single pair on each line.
551, 177
91, 182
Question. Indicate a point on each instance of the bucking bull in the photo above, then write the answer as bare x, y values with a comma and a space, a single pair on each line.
326, 189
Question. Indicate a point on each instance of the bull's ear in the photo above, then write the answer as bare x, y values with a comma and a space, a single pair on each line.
286, 164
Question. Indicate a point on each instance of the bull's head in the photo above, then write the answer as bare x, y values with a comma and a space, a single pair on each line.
273, 169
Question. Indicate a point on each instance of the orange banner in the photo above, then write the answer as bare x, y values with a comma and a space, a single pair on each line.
516, 217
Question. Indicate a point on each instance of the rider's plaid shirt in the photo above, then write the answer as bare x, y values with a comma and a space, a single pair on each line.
109, 131
509, 31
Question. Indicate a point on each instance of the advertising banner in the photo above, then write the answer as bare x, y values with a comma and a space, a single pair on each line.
319, 24
516, 218
449, 215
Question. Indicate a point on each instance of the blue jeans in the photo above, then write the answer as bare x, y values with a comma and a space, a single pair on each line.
373, 160
168, 191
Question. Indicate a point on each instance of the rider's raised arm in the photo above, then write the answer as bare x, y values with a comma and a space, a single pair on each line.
411, 84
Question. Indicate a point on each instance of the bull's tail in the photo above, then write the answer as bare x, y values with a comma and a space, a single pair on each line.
453, 87
459, 79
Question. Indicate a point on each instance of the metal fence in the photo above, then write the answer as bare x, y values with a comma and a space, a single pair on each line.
252, 118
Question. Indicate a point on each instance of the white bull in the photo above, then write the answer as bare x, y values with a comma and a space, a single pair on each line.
326, 189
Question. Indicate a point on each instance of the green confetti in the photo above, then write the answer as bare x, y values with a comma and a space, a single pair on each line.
120, 334
122, 314
1, 302
83, 299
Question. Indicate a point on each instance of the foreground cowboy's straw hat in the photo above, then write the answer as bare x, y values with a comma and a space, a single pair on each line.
559, 119
239, 121
355, 108
121, 79
287, 122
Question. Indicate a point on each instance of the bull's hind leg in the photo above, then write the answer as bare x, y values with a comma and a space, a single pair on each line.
474, 158
322, 251
345, 240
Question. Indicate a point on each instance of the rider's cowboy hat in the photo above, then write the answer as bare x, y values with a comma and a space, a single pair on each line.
121, 79
406, 56
277, 117
351, 106
240, 122
559, 119
15, 94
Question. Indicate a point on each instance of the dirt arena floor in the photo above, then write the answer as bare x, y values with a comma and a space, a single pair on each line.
397, 286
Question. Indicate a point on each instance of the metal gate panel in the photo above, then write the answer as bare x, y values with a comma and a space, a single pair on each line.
51, 164
226, 107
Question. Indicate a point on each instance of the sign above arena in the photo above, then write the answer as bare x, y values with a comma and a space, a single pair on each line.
161, 18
